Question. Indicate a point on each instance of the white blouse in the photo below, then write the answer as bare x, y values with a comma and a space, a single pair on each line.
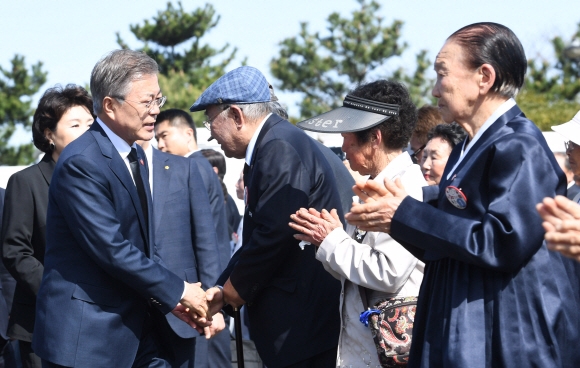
380, 264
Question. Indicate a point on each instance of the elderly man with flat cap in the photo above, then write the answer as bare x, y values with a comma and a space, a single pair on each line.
292, 302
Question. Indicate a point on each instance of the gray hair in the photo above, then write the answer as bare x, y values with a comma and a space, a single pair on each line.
113, 74
255, 111
275, 106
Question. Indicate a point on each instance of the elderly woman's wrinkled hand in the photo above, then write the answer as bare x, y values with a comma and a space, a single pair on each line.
314, 225
379, 207
562, 224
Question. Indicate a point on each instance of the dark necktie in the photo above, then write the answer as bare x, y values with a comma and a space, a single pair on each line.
134, 163
246, 170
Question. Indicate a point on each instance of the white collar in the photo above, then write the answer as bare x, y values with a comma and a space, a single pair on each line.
250, 149
502, 109
149, 155
395, 168
120, 145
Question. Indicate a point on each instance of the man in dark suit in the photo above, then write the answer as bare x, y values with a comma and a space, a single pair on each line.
176, 134
343, 178
292, 302
102, 282
186, 242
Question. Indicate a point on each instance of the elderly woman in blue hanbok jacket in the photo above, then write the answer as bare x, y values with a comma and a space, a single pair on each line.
492, 293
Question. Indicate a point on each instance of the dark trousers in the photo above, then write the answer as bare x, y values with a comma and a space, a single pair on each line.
177, 351
27, 356
213, 353
326, 359
8, 354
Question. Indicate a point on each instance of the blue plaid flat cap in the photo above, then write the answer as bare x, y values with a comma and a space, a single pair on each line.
243, 85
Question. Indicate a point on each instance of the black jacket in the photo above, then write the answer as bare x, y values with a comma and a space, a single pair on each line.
23, 240
292, 301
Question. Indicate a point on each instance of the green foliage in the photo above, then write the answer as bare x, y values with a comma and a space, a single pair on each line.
551, 92
17, 86
323, 68
187, 66
545, 111
418, 84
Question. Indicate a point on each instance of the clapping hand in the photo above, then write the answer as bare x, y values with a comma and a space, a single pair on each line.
379, 207
562, 224
314, 226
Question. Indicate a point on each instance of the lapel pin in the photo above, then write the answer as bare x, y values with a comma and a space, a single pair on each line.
141, 162
456, 197
166, 167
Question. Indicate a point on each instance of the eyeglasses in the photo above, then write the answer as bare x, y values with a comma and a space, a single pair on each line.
570, 145
414, 154
207, 123
148, 105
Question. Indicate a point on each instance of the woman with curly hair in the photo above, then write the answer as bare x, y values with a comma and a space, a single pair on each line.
370, 265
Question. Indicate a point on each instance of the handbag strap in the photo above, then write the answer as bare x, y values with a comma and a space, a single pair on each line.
363, 297
359, 237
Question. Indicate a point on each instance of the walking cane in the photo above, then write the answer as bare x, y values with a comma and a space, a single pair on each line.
239, 343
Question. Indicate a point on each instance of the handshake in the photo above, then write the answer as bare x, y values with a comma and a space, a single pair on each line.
199, 309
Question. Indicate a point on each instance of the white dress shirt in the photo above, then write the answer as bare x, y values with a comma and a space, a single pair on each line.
120, 145
252, 144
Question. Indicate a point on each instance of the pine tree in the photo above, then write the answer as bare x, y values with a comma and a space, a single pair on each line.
187, 66
551, 92
17, 86
323, 68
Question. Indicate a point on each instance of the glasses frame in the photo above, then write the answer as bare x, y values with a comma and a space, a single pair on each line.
148, 105
208, 122
416, 152
570, 145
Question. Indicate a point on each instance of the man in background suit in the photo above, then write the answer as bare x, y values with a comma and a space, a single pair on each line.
564, 164
176, 134
292, 302
186, 242
102, 282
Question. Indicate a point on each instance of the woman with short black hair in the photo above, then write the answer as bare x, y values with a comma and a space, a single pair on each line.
62, 115
441, 141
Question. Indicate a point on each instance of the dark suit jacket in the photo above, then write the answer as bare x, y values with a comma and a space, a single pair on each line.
233, 214
488, 272
100, 269
292, 301
23, 240
218, 207
4, 311
184, 232
572, 191
343, 178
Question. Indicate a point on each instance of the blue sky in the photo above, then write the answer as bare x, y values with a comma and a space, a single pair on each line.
70, 36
